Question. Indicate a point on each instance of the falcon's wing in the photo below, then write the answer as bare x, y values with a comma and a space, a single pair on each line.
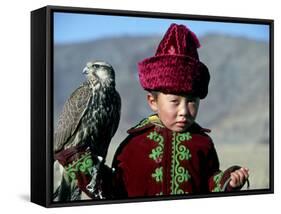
72, 112
116, 117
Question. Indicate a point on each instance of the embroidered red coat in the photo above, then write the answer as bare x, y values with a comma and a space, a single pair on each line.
154, 160
151, 161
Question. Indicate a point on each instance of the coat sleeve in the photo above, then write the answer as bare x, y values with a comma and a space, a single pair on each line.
113, 178
111, 183
218, 180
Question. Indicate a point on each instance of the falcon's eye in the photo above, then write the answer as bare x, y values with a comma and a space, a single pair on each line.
96, 65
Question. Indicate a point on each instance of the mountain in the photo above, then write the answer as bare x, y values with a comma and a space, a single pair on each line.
236, 108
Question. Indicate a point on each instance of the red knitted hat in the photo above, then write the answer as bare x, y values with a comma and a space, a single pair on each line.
176, 68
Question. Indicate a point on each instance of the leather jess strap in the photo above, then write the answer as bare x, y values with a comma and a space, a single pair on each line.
69, 155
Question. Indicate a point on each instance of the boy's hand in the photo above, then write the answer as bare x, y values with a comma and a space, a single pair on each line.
239, 177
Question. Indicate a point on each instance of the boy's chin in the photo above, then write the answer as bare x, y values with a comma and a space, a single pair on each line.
180, 130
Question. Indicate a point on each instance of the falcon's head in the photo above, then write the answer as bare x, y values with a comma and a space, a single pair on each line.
100, 71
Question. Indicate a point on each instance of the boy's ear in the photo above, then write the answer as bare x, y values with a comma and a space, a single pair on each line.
152, 102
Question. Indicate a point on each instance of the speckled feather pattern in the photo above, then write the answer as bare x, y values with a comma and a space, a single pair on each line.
91, 115
73, 110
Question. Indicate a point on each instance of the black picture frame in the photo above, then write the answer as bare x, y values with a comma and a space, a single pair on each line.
42, 102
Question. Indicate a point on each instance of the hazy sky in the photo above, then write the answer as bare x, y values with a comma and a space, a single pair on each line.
75, 27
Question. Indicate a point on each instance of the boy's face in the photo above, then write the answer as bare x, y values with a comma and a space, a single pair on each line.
176, 112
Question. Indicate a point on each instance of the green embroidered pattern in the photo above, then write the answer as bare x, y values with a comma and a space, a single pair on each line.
84, 164
217, 179
156, 153
179, 153
158, 174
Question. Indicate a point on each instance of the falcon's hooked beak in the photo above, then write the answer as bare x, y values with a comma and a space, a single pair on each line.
85, 70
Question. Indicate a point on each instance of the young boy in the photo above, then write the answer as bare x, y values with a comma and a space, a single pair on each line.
169, 153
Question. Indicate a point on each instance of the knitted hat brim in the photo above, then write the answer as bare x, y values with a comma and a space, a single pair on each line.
176, 74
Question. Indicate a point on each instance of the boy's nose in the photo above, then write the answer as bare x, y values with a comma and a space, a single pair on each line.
183, 110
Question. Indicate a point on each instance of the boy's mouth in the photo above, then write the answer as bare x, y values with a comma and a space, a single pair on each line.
182, 123
183, 120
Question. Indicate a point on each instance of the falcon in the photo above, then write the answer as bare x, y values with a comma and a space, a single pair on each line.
91, 115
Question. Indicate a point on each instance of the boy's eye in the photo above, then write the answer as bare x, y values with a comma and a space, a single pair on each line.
174, 101
191, 100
